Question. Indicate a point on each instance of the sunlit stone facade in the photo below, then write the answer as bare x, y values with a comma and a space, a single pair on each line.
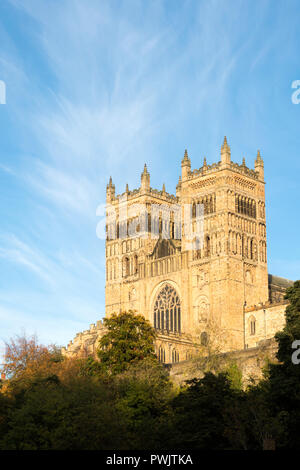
191, 291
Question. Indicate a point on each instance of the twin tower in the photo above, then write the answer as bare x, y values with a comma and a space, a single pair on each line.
191, 294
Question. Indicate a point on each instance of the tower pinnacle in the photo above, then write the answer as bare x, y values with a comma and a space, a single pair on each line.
185, 165
145, 179
259, 165
110, 190
225, 152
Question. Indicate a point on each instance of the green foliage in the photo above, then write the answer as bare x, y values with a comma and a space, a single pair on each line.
129, 339
235, 376
200, 418
291, 330
126, 400
145, 394
284, 377
51, 415
90, 367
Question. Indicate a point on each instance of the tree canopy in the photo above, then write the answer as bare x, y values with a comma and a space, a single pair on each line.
129, 338
284, 377
126, 400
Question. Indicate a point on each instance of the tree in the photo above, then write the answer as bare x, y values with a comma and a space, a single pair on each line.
129, 338
144, 403
201, 413
22, 352
78, 415
235, 376
284, 377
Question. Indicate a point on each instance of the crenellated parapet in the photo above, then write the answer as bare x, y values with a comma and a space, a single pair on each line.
224, 163
85, 343
151, 192
144, 190
187, 175
206, 169
244, 170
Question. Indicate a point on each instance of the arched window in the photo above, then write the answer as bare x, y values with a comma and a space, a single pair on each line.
161, 355
194, 210
126, 266
136, 266
188, 355
251, 249
207, 246
204, 338
167, 313
252, 326
175, 356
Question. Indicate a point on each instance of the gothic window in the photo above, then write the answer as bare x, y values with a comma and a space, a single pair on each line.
251, 249
155, 226
136, 266
161, 355
175, 356
207, 246
172, 230
194, 210
126, 267
167, 313
203, 338
252, 326
245, 206
211, 205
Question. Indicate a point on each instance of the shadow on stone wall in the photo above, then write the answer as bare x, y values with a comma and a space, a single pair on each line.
250, 362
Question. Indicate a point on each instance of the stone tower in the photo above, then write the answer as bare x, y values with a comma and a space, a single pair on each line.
180, 286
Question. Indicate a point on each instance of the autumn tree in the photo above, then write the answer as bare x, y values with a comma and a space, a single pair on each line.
23, 353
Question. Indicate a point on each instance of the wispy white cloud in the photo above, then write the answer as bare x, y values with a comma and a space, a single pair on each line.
107, 86
20, 253
7, 169
59, 269
65, 190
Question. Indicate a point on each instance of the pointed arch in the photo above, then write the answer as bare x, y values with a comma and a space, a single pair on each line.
167, 310
252, 325
161, 354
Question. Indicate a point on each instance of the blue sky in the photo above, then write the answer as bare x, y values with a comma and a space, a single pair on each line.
97, 88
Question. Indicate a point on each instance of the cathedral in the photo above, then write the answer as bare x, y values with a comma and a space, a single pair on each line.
199, 281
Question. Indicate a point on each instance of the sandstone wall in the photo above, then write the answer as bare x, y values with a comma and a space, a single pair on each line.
250, 361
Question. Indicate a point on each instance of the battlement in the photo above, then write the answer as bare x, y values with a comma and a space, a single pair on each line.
152, 192
225, 163
186, 175
214, 167
85, 342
